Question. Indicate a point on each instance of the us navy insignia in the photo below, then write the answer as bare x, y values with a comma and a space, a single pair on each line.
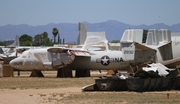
105, 60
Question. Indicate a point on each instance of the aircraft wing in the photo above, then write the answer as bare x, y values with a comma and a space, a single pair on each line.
55, 58
73, 51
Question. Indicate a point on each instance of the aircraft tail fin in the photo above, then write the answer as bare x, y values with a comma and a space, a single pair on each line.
1, 51
162, 39
16, 42
132, 35
149, 38
158, 37
95, 38
82, 33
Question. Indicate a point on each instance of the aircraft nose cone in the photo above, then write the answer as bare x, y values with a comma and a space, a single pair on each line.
16, 63
11, 63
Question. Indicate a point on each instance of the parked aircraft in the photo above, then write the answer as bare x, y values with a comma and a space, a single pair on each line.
138, 47
9, 52
166, 44
83, 60
29, 62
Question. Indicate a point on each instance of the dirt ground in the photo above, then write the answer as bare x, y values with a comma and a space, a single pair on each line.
56, 96
24, 89
50, 90
33, 96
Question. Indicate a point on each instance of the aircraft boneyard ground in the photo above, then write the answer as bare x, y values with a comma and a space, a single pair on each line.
50, 90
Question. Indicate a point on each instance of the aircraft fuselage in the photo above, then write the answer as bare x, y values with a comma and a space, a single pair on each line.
100, 60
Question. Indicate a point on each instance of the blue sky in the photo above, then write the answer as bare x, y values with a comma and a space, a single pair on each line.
134, 12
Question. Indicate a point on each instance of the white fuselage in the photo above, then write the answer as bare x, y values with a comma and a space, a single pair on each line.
27, 61
100, 60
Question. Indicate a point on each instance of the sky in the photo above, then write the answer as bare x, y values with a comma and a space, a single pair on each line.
134, 12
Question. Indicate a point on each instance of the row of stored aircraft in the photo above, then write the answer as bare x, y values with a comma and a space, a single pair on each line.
8, 53
12, 51
137, 47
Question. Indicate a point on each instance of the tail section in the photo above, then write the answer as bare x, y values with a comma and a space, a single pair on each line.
166, 49
162, 39
155, 39
95, 38
152, 37
1, 51
15, 44
158, 37
137, 52
133, 35
82, 33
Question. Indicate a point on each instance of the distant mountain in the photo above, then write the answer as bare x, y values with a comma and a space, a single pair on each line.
69, 31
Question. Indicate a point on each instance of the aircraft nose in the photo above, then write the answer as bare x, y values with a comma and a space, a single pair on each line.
15, 63
12, 63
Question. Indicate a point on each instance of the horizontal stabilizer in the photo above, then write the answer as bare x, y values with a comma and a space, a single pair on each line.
137, 52
144, 53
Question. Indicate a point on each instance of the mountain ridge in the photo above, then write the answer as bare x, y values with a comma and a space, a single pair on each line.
69, 31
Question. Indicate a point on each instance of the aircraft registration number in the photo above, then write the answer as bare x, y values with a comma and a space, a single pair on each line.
128, 51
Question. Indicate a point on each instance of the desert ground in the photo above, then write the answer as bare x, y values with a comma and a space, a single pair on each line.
51, 90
